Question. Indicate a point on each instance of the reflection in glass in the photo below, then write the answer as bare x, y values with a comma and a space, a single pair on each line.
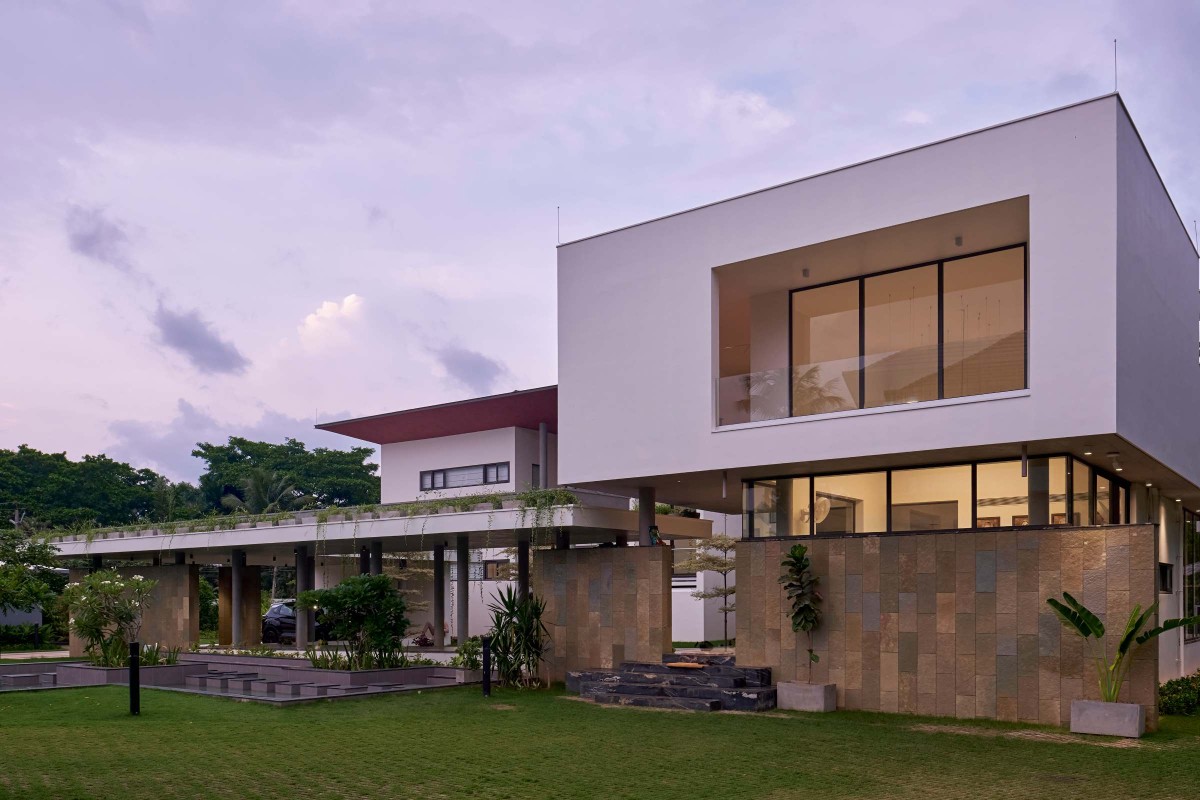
825, 349
1103, 503
851, 503
1081, 490
779, 507
900, 326
984, 323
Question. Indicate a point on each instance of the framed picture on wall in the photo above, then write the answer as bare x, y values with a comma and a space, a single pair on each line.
1021, 520
1058, 519
987, 522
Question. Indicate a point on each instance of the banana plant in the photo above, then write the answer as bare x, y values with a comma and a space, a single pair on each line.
1076, 617
801, 586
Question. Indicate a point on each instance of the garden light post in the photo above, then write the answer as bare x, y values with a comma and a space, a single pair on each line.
135, 679
487, 666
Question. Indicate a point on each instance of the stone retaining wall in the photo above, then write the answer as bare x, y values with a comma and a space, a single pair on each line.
956, 623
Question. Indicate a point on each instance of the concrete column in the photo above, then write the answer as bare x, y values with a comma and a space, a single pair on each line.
1039, 491
310, 580
439, 595
376, 558
156, 560
523, 569
364, 561
622, 540
645, 514
97, 563
463, 590
543, 456
237, 562
562, 540
180, 557
301, 586
783, 508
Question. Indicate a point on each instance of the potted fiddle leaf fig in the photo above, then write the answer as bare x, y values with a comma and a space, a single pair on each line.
800, 584
1108, 716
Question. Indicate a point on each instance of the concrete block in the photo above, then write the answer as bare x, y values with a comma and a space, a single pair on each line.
1108, 719
794, 696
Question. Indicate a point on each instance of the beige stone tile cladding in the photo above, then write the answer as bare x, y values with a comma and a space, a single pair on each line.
172, 617
604, 605
956, 623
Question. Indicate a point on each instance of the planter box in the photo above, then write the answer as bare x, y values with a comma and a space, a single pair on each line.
794, 696
165, 675
1108, 719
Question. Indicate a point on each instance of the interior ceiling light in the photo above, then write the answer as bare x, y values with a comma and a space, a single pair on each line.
1148, 484
1116, 461
1087, 452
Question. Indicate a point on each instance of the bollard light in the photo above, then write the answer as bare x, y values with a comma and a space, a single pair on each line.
135, 678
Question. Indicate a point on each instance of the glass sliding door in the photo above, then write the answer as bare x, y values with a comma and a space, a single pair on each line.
900, 330
983, 324
825, 344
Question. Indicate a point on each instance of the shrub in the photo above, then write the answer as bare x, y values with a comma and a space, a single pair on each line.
106, 612
368, 613
469, 654
1180, 696
519, 638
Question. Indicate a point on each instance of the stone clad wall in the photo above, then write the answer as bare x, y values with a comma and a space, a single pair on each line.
172, 616
953, 624
604, 605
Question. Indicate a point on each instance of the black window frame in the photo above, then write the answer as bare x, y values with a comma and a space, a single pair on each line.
1190, 557
1116, 511
862, 356
429, 478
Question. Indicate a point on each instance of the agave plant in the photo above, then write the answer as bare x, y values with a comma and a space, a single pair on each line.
519, 638
801, 586
1075, 616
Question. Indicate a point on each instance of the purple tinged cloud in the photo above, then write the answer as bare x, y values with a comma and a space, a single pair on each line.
473, 370
91, 234
188, 334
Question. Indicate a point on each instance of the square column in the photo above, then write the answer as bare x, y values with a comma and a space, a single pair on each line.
439, 595
463, 590
376, 558
364, 561
238, 564
523, 569
645, 514
302, 585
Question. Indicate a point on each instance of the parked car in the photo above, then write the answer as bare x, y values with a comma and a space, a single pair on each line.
279, 624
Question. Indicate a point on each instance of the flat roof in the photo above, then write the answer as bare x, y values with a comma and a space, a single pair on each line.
524, 408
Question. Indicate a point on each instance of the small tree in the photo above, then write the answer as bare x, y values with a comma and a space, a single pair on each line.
368, 613
714, 555
106, 612
519, 637
801, 586
25, 560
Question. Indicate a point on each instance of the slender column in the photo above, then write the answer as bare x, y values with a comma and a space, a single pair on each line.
310, 580
1039, 491
97, 563
543, 456
301, 617
523, 569
622, 539
439, 595
562, 539
463, 590
376, 558
364, 561
237, 561
645, 514
180, 557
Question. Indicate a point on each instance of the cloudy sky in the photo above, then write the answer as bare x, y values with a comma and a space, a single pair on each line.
233, 218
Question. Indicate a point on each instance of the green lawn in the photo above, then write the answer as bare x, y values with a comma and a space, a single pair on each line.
453, 743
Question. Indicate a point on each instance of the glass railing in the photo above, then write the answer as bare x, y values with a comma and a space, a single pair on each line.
976, 366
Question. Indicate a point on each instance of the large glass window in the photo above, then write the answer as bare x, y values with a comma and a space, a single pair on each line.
900, 328
934, 499
854, 503
983, 323
825, 349
989, 494
948, 329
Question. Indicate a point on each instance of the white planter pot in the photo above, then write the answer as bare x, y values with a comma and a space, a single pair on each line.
1108, 719
794, 696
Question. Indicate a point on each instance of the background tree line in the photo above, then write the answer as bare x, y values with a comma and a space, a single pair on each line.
240, 475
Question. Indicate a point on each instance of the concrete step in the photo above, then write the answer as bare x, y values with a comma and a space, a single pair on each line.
21, 679
676, 677
290, 688
263, 686
317, 689
342, 691
641, 701
743, 699
753, 676
49, 679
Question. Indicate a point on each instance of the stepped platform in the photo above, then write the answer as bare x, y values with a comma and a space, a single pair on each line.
692, 682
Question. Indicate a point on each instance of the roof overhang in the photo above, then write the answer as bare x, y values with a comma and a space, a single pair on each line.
526, 408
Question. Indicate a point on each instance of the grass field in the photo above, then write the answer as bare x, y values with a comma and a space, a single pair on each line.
75, 743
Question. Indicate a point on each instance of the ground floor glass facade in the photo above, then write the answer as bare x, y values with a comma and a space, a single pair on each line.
1048, 490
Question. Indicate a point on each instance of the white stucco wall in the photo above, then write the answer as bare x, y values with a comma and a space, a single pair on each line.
1158, 311
637, 335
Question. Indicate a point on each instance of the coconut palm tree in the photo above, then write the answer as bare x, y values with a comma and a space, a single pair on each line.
265, 492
